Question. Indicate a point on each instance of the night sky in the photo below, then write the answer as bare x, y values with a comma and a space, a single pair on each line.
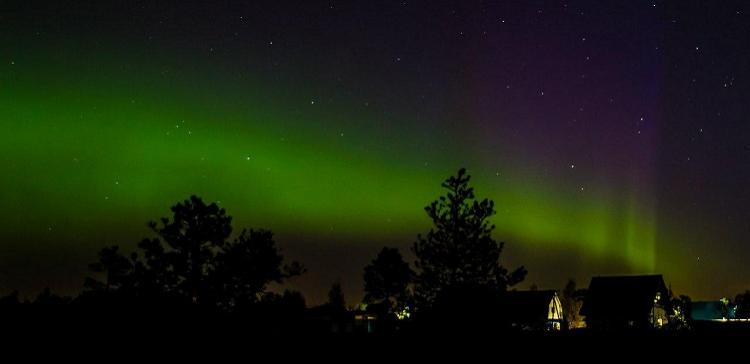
612, 136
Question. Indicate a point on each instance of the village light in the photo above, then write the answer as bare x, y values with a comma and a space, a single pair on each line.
403, 314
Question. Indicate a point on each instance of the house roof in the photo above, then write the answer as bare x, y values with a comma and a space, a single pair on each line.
528, 306
623, 296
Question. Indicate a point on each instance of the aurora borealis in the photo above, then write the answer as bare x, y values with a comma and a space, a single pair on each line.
612, 138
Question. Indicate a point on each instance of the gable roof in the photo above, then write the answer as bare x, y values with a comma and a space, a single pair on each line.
622, 296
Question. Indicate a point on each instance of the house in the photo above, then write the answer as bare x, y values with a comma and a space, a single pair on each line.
621, 302
534, 310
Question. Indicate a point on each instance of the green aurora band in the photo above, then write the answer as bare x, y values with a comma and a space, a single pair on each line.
91, 152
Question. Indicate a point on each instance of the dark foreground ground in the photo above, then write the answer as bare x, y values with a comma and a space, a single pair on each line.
222, 338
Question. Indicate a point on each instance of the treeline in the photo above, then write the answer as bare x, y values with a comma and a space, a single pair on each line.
192, 270
193, 266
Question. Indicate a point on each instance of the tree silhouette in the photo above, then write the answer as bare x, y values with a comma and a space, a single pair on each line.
153, 276
680, 311
116, 268
387, 280
459, 249
194, 234
726, 308
279, 313
191, 261
742, 304
293, 299
47, 298
10, 301
336, 299
571, 301
245, 267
